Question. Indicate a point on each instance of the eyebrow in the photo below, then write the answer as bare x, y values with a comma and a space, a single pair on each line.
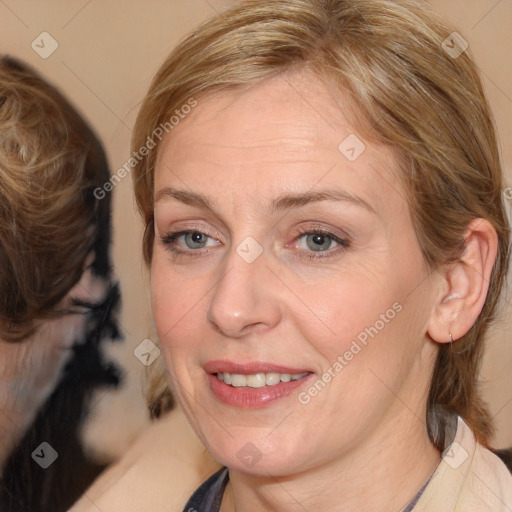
285, 202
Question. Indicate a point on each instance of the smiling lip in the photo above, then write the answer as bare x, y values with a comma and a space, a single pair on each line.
249, 368
247, 397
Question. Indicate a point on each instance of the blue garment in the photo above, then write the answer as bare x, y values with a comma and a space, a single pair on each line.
208, 496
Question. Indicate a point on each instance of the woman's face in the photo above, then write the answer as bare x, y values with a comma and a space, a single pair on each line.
285, 256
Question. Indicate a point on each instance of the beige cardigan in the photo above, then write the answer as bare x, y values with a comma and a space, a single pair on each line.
469, 478
159, 472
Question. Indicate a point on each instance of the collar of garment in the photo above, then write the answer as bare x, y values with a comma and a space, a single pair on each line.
468, 478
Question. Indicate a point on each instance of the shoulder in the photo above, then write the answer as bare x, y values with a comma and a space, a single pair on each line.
469, 478
490, 481
165, 465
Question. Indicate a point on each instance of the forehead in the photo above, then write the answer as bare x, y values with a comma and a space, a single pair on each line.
287, 133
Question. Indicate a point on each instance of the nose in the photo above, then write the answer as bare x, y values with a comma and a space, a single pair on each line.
246, 299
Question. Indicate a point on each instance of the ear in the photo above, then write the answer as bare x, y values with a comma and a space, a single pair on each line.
465, 284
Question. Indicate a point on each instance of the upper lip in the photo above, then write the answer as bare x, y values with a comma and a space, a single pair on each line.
250, 368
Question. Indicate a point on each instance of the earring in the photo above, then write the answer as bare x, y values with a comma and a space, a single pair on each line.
451, 338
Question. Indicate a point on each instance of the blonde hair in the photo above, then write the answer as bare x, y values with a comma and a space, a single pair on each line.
50, 163
409, 93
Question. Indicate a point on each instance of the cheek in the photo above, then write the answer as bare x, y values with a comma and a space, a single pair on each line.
179, 307
378, 332
342, 309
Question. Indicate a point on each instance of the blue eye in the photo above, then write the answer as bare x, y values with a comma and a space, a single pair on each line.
320, 241
192, 241
195, 240
312, 243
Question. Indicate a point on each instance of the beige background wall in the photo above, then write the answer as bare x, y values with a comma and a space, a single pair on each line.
107, 53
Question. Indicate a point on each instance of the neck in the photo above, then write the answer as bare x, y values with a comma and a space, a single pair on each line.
390, 468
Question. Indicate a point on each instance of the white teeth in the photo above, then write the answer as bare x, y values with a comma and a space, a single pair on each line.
272, 378
238, 381
257, 380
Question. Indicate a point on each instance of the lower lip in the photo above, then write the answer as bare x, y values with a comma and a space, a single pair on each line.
253, 398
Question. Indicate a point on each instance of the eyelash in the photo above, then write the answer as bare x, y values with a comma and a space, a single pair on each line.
169, 239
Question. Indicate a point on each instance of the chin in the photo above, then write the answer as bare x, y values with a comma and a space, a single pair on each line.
257, 455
